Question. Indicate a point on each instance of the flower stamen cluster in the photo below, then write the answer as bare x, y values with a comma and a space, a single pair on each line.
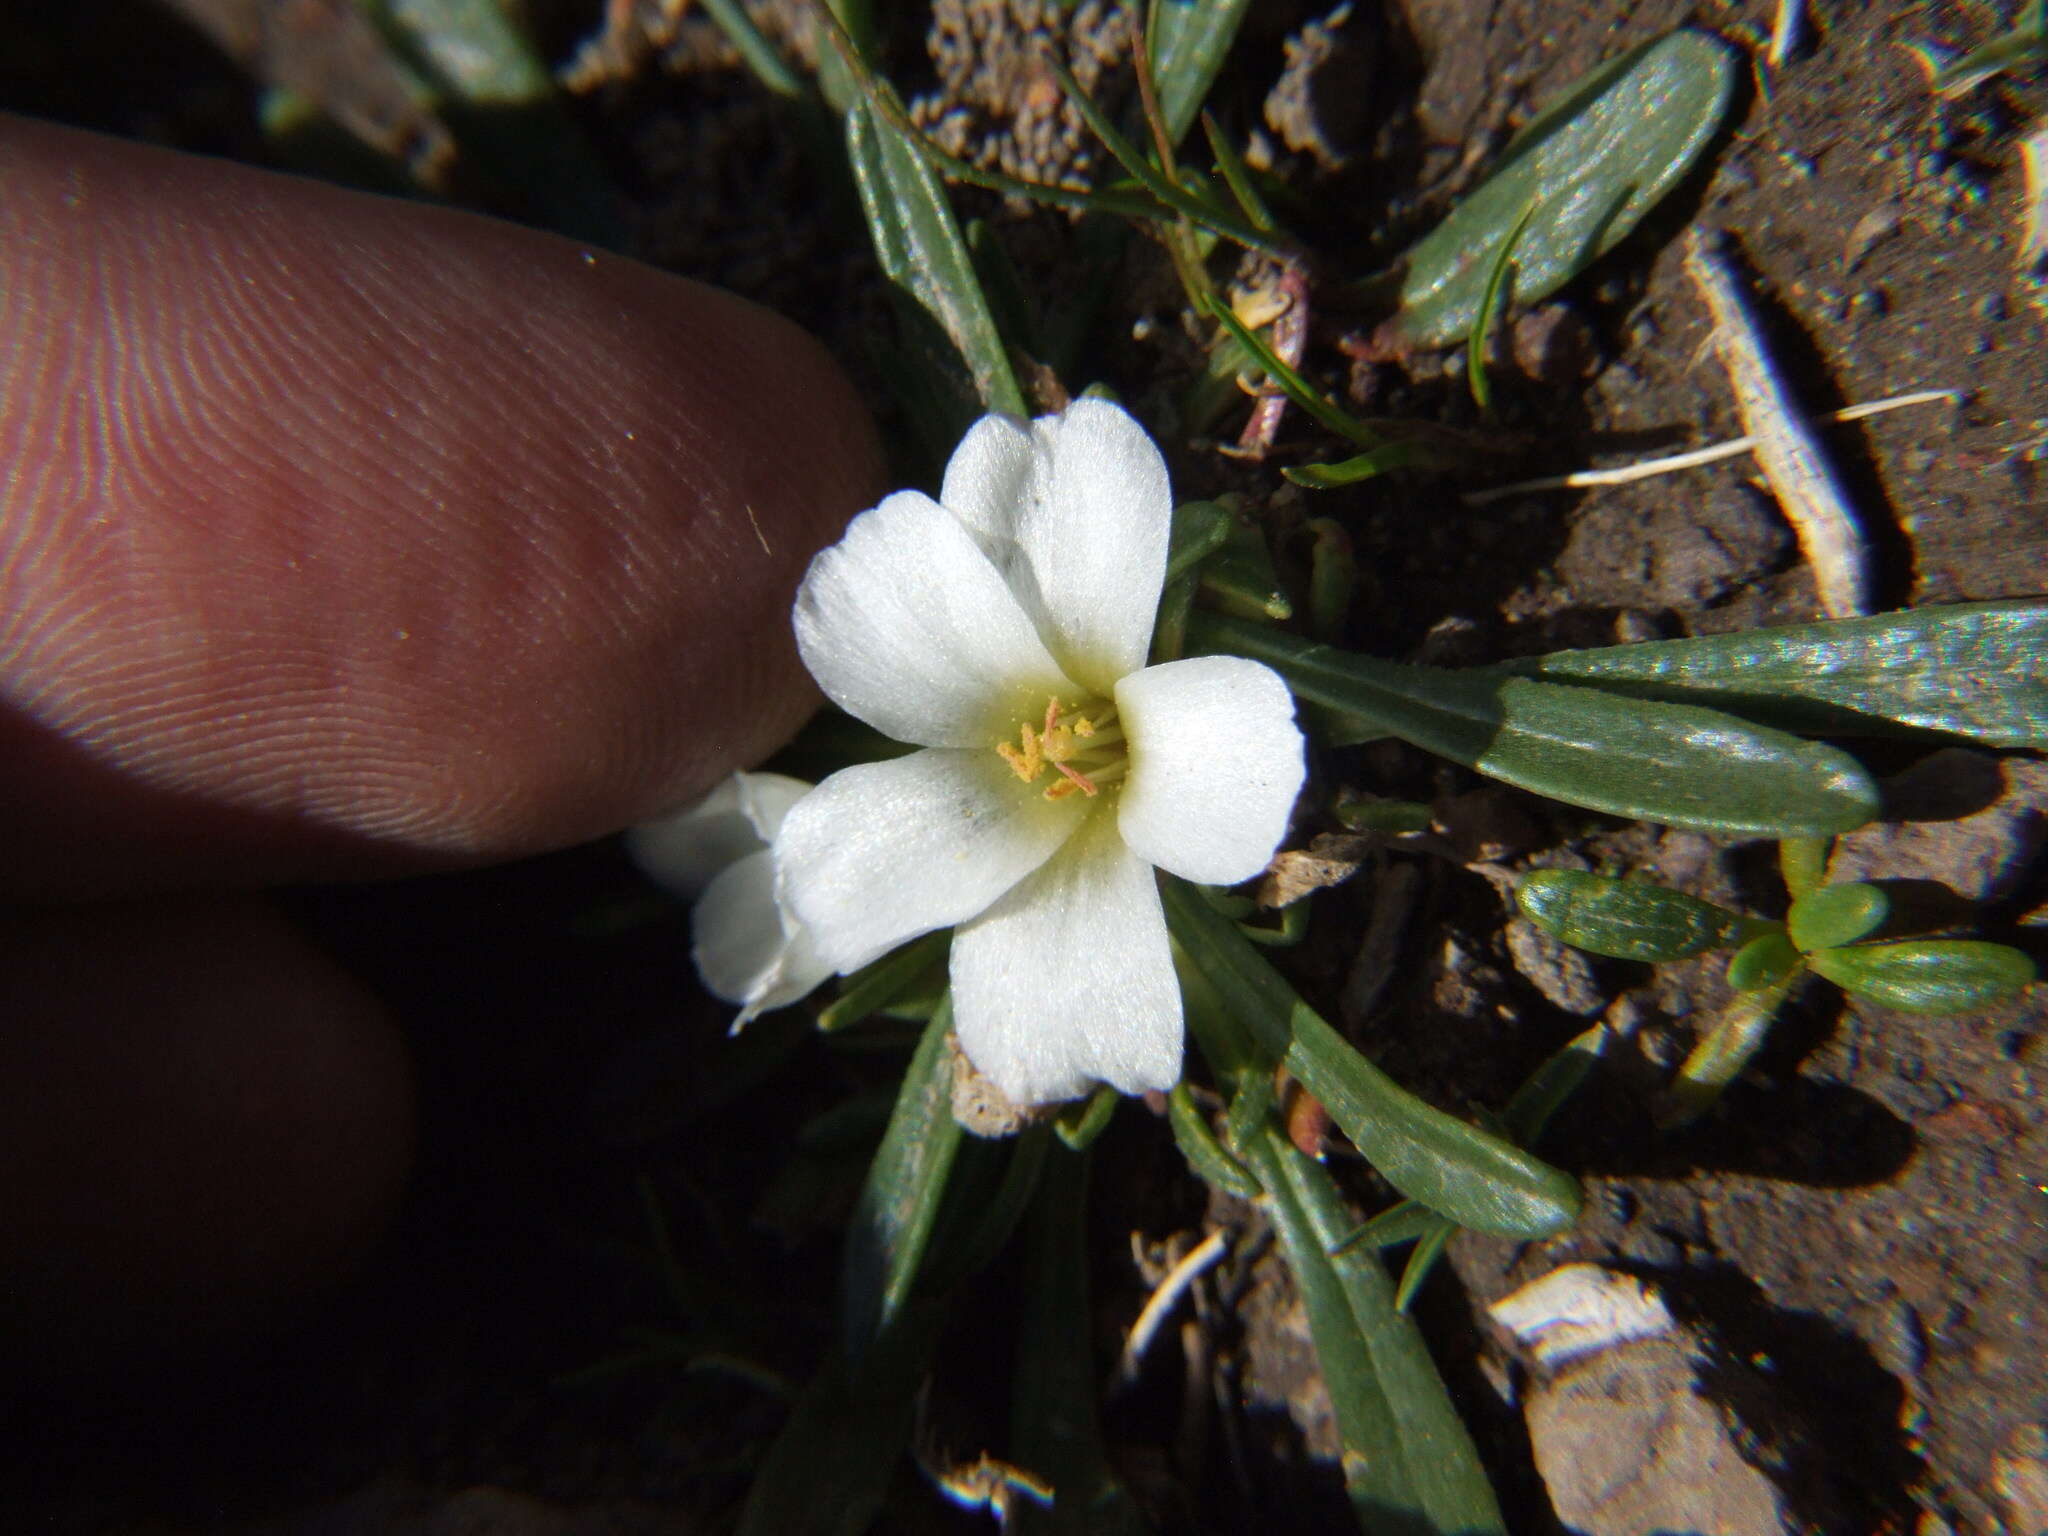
1083, 745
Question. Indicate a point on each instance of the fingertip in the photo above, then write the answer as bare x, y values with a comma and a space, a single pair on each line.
342, 519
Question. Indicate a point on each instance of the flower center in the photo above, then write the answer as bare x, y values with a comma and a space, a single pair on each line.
1082, 747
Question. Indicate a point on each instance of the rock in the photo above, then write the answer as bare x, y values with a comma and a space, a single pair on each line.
1996, 812
1562, 974
2019, 1476
1621, 1425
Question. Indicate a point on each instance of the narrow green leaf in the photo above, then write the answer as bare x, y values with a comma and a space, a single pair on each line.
1241, 579
1928, 975
1978, 670
1200, 528
1409, 1464
1207, 213
1726, 1048
829, 1470
1397, 1224
1079, 1124
1490, 302
1764, 961
1803, 863
755, 51
1471, 1176
1627, 919
1558, 1077
1189, 40
1299, 390
918, 244
1592, 164
1677, 764
1055, 1431
1428, 1249
897, 975
2020, 48
1411, 453
1238, 177
899, 1202
1837, 914
1205, 1154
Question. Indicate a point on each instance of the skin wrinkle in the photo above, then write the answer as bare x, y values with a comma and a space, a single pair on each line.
233, 594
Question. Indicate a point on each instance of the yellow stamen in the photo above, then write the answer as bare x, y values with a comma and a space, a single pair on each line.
1081, 749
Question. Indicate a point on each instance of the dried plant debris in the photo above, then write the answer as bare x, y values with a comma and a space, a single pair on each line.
328, 52
1317, 107
999, 102
633, 32
1799, 472
2034, 236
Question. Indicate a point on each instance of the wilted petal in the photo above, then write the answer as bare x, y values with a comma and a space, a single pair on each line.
1216, 761
746, 949
883, 852
1068, 980
1094, 541
685, 850
906, 625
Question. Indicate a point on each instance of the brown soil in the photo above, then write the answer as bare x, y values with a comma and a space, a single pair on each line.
1864, 1219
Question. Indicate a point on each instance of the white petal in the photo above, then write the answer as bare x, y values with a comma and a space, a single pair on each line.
747, 949
1094, 541
906, 625
989, 481
684, 850
1068, 980
1216, 761
883, 852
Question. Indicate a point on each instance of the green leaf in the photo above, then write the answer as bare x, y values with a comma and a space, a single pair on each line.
1726, 1048
829, 1470
1764, 961
1977, 670
1409, 1464
1189, 40
1803, 863
1078, 1125
1928, 975
1627, 919
1837, 914
1428, 1249
1545, 1090
1677, 764
918, 244
1490, 300
899, 1203
1200, 528
495, 93
1410, 453
1397, 1224
1206, 1157
1592, 164
1289, 380
1471, 1176
1206, 212
1055, 1430
1240, 577
897, 975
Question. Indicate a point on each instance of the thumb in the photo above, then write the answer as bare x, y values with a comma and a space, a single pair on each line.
343, 535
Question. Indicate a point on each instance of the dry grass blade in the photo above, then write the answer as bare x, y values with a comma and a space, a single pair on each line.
1713, 453
1791, 457
2034, 237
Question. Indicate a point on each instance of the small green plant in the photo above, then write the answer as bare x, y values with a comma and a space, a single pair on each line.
1843, 932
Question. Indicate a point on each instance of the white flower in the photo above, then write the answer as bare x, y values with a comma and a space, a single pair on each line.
747, 948
1004, 629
